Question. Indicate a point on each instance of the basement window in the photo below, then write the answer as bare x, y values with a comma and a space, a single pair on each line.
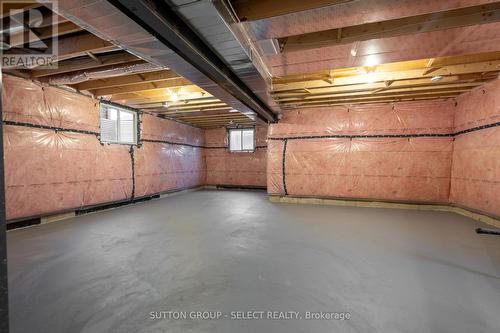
242, 140
118, 125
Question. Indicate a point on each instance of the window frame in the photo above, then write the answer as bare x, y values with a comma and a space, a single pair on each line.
229, 130
119, 110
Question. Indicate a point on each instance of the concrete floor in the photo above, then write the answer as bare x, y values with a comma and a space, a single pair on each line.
392, 270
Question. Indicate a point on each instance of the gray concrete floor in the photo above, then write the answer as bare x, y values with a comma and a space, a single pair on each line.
392, 270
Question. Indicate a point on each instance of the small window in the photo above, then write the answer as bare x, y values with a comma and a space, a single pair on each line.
241, 140
118, 125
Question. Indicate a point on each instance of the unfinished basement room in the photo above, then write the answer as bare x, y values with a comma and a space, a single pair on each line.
242, 166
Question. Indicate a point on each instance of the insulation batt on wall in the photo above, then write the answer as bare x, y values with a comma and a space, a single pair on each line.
238, 168
475, 181
388, 168
49, 171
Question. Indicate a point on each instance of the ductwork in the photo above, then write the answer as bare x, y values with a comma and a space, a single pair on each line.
215, 22
101, 73
152, 31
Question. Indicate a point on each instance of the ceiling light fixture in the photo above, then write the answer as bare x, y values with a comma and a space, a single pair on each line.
372, 60
436, 78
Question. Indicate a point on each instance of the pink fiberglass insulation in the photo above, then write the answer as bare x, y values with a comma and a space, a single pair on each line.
161, 167
47, 172
415, 169
409, 169
348, 13
237, 168
401, 118
154, 128
475, 181
50, 171
28, 102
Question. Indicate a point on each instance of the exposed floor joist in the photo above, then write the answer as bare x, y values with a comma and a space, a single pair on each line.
251, 10
127, 80
177, 82
426, 78
86, 63
455, 18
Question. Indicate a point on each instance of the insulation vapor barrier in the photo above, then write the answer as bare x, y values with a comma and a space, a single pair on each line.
235, 168
170, 157
476, 157
54, 161
375, 151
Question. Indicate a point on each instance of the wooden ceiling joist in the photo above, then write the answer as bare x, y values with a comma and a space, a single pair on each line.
382, 73
127, 80
197, 112
36, 35
72, 46
384, 91
408, 80
446, 82
79, 45
372, 99
231, 115
152, 95
7, 7
172, 104
86, 63
170, 83
386, 96
186, 106
455, 18
251, 10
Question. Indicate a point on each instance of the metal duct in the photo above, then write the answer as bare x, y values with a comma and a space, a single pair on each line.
101, 73
217, 24
152, 34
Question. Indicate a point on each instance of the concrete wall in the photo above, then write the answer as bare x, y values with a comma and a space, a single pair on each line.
236, 169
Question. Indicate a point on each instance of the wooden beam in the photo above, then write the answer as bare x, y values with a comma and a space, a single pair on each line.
386, 95
167, 98
218, 116
393, 67
178, 103
170, 83
356, 100
76, 65
453, 70
455, 18
74, 46
150, 95
447, 81
127, 80
35, 35
7, 7
250, 10
385, 91
197, 112
379, 101
196, 106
